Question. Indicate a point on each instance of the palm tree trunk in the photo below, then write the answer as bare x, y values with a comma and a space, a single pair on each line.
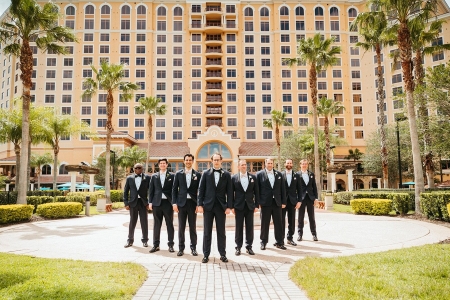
17, 151
313, 87
28, 164
55, 164
326, 130
38, 175
404, 45
149, 135
381, 116
277, 137
109, 131
26, 67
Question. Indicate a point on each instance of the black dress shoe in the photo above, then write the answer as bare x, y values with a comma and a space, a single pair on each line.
180, 253
291, 242
315, 239
223, 258
205, 259
300, 238
128, 244
145, 244
171, 249
282, 247
154, 249
263, 246
238, 251
194, 252
250, 251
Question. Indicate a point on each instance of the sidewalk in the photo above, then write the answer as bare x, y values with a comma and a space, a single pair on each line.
263, 276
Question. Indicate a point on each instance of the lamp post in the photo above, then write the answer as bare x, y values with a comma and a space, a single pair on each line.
113, 165
399, 118
7, 182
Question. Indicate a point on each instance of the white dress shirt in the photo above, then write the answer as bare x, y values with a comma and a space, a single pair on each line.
162, 177
305, 177
271, 177
216, 176
244, 180
188, 174
289, 177
138, 180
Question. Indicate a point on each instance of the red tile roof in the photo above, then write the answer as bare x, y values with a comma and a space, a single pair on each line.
11, 158
171, 149
256, 148
59, 179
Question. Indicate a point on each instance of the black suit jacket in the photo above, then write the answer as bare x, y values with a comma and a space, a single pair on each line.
156, 190
309, 189
180, 189
267, 193
208, 192
250, 197
292, 191
131, 193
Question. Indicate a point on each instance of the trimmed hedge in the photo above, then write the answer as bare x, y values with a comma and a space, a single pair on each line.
59, 210
371, 206
15, 213
116, 196
434, 205
80, 197
118, 205
343, 198
403, 202
4, 198
36, 200
60, 199
50, 193
448, 208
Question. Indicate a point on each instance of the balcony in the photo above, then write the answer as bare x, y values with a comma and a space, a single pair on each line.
214, 75
214, 121
213, 26
212, 52
213, 10
214, 110
213, 39
214, 98
212, 87
214, 64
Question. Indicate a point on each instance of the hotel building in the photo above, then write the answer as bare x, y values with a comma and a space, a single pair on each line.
217, 66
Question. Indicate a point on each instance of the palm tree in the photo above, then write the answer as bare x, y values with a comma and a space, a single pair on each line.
132, 156
319, 54
327, 108
152, 106
109, 77
28, 21
38, 161
278, 119
354, 154
404, 14
372, 27
59, 126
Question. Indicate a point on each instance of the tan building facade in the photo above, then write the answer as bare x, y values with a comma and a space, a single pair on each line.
218, 66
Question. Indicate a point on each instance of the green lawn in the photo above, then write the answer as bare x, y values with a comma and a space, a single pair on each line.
93, 209
26, 277
342, 208
413, 273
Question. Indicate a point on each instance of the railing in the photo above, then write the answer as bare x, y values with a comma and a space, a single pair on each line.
214, 111
211, 24
214, 62
213, 50
196, 25
231, 25
213, 8
214, 37
214, 122
217, 98
213, 74
212, 86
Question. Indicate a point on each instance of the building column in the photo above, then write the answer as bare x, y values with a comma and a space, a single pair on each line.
350, 180
91, 182
379, 183
73, 181
333, 182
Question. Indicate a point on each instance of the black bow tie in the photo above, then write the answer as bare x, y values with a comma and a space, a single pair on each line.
137, 175
218, 171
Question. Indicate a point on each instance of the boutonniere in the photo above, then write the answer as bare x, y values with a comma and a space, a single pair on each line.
221, 173
311, 176
279, 177
295, 178
167, 174
195, 178
170, 179
251, 180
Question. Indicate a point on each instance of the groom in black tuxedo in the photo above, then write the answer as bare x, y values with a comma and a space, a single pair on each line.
272, 199
246, 202
184, 202
308, 199
136, 201
160, 200
292, 181
215, 200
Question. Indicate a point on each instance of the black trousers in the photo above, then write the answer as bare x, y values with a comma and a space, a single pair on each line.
217, 213
245, 215
187, 212
289, 210
308, 205
164, 210
273, 211
138, 211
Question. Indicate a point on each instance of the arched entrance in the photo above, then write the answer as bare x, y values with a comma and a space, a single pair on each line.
205, 152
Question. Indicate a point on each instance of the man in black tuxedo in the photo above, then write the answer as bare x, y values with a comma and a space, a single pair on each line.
308, 199
292, 181
246, 202
136, 201
215, 200
272, 199
184, 202
160, 200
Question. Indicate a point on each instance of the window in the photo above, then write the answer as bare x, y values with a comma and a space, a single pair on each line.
101, 110
266, 110
68, 62
196, 49
265, 50
267, 135
251, 135
354, 62
265, 39
250, 123
397, 104
231, 38
196, 122
88, 24
285, 50
337, 85
357, 110
356, 74
249, 62
299, 25
354, 50
301, 85
248, 26
356, 86
334, 25
320, 25
140, 49
177, 86
353, 39
396, 78
140, 37
232, 122
101, 123
318, 11
303, 110
177, 74
249, 98
50, 74
359, 134
249, 39
66, 110
196, 61
231, 61
139, 135
196, 37
141, 24
49, 98
161, 86
265, 74
196, 110
50, 86
231, 109
284, 25
67, 86
358, 122
140, 73
302, 97
250, 110
177, 62
231, 97
352, 13
287, 109
286, 85
124, 49
266, 86
357, 98
231, 85
85, 110
66, 99
397, 90
104, 24
265, 62
321, 85
160, 123
161, 62
264, 26
177, 123
177, 111
160, 135
250, 86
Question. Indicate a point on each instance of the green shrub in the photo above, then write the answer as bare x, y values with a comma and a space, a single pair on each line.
80, 197
343, 198
60, 199
116, 196
59, 210
50, 193
15, 213
434, 205
400, 202
4, 198
117, 205
448, 208
371, 206
36, 200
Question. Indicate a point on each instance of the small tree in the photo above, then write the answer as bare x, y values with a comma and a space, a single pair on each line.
354, 154
132, 156
110, 78
278, 119
38, 161
151, 105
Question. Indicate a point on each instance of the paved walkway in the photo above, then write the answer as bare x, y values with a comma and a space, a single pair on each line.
263, 276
